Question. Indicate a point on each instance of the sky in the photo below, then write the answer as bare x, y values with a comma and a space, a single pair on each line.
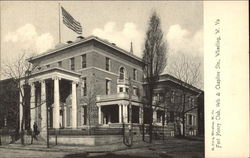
34, 26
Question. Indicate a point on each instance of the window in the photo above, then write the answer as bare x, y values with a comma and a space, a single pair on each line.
59, 63
72, 63
121, 89
135, 74
161, 97
135, 90
155, 97
159, 116
84, 86
84, 115
107, 64
84, 63
190, 119
172, 96
122, 76
108, 86
127, 90
193, 102
183, 99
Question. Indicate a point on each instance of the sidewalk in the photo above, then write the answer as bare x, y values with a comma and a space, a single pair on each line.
76, 149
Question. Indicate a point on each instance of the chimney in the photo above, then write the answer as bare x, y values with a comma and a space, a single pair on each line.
80, 37
131, 47
69, 42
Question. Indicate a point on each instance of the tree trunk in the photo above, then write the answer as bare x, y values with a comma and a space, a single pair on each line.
151, 113
183, 115
89, 126
22, 131
143, 124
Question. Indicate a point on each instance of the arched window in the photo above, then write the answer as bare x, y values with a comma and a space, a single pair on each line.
122, 73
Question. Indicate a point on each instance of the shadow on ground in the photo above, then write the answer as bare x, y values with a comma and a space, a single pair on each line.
108, 155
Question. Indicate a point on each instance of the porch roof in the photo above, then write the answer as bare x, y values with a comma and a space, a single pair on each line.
55, 72
171, 80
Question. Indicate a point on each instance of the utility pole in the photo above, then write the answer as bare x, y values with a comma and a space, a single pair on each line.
130, 112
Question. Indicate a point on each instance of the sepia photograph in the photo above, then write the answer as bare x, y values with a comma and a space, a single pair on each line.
107, 79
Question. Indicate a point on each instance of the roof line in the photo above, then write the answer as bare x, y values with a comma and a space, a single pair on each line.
49, 52
178, 81
56, 68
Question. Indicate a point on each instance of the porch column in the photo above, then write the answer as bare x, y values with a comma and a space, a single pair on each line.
56, 109
100, 115
74, 106
21, 93
165, 117
120, 113
154, 116
125, 113
43, 107
140, 115
32, 105
65, 116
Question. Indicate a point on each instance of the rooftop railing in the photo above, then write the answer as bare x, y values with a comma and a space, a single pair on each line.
117, 96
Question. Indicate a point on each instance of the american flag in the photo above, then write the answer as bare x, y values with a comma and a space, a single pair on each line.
70, 22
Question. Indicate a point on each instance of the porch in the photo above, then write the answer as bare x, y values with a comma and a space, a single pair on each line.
115, 109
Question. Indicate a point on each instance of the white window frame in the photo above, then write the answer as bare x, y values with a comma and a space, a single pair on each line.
123, 88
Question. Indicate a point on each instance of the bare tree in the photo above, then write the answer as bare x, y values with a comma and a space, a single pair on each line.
155, 59
90, 100
21, 70
186, 68
183, 104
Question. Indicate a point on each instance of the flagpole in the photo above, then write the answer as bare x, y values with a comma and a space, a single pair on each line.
59, 23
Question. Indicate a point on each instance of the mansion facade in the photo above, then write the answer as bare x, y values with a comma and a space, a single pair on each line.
87, 83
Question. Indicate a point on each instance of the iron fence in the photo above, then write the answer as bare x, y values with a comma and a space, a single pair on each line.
85, 131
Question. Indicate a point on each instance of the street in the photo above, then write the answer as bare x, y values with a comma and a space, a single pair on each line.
176, 148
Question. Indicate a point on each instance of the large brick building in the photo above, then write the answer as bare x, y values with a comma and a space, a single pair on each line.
86, 82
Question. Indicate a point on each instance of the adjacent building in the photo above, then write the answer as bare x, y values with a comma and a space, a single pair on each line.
176, 103
9, 109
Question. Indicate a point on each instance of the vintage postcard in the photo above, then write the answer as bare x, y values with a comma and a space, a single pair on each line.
146, 79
